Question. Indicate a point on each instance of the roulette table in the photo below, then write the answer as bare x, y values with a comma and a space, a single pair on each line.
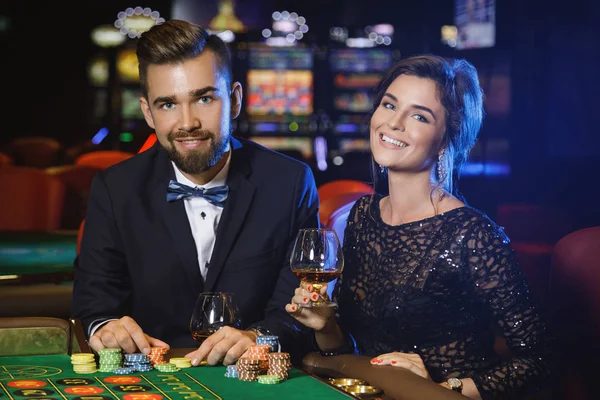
52, 377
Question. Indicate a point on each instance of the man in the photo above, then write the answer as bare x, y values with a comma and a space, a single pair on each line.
149, 248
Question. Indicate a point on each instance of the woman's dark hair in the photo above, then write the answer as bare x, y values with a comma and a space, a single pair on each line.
176, 41
462, 98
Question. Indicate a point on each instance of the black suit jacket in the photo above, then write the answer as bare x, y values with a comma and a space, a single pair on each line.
138, 257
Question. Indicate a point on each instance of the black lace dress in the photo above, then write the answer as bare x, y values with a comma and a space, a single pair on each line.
436, 287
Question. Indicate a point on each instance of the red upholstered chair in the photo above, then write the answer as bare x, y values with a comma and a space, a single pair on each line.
533, 230
148, 143
78, 181
5, 159
103, 158
575, 307
37, 152
331, 208
31, 199
343, 186
79, 236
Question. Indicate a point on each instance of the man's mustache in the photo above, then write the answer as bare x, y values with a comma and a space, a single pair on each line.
199, 134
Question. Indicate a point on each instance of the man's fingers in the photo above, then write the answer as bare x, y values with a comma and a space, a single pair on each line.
206, 347
109, 339
136, 334
219, 351
236, 351
154, 342
96, 344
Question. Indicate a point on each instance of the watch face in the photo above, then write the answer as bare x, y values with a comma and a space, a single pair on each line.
454, 382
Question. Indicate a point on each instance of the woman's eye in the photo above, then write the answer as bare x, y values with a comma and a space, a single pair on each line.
389, 106
419, 117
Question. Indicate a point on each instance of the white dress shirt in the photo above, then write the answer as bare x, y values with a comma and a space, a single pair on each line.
204, 219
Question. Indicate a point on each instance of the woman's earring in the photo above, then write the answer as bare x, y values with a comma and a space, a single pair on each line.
382, 169
441, 173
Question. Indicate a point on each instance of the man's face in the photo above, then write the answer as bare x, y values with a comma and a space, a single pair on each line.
190, 107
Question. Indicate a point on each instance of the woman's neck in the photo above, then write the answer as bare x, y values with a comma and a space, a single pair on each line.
411, 198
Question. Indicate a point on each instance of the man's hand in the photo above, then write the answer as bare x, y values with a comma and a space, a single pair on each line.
224, 346
126, 334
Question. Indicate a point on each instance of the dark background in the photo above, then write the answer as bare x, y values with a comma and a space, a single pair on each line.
549, 49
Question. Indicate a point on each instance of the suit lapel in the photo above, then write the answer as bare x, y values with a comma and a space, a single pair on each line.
176, 220
241, 193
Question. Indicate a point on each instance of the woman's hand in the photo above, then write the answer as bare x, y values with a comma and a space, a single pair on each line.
410, 361
316, 318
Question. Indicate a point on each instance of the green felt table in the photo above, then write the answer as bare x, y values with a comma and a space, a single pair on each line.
46, 252
52, 377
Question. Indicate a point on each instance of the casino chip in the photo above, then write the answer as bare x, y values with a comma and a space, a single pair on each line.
261, 364
138, 362
84, 363
272, 341
124, 371
157, 355
181, 362
110, 359
231, 372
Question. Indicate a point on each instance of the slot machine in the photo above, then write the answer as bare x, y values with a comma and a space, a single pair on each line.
354, 74
279, 91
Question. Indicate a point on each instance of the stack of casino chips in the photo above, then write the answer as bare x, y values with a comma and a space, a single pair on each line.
231, 372
110, 359
157, 355
181, 362
272, 341
83, 363
269, 379
249, 368
254, 363
139, 362
167, 367
280, 365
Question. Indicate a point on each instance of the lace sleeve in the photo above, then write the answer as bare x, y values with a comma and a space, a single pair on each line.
498, 282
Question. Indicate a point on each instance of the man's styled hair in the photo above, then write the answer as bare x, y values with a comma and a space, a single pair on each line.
176, 41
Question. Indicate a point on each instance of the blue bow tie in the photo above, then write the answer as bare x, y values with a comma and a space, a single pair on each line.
215, 195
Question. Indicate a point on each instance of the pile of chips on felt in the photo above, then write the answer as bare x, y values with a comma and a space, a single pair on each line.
181, 362
110, 359
136, 362
261, 363
272, 341
157, 355
84, 363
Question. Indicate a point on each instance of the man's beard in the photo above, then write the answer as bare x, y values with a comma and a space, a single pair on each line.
197, 161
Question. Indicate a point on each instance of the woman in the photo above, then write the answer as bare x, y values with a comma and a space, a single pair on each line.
426, 275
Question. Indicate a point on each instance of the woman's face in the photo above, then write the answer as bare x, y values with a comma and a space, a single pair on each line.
408, 126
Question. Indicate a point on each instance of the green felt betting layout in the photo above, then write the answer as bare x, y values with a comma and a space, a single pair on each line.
52, 377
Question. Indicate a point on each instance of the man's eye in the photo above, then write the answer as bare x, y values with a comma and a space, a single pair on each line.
205, 100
